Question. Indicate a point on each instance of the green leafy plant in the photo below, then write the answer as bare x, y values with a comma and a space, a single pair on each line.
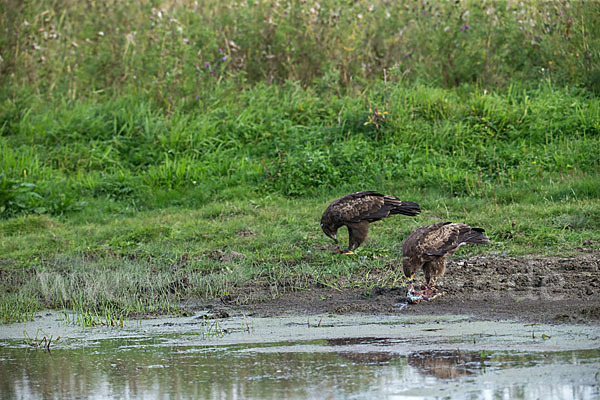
17, 197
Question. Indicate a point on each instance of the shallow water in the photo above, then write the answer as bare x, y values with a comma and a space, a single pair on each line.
309, 357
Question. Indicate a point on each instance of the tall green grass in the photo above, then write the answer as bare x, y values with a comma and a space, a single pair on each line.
168, 103
144, 144
287, 140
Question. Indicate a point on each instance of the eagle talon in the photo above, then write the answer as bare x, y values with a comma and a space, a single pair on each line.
349, 252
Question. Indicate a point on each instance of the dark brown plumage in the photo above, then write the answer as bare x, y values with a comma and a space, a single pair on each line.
429, 246
357, 210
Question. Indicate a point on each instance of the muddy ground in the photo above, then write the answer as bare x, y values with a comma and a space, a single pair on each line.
534, 289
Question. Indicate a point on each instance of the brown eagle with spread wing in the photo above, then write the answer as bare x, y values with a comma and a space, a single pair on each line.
357, 210
429, 246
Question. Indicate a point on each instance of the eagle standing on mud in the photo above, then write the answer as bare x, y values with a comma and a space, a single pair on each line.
358, 210
429, 247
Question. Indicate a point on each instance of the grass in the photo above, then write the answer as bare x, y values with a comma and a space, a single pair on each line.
108, 317
154, 261
132, 178
174, 51
58, 159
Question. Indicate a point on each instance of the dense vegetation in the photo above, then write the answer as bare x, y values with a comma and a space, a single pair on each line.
168, 136
171, 51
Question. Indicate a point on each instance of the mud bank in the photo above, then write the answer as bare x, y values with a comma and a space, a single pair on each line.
535, 289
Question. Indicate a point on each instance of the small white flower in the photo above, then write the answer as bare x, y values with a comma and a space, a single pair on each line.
100, 33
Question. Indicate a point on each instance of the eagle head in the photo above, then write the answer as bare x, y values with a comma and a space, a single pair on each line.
410, 267
329, 230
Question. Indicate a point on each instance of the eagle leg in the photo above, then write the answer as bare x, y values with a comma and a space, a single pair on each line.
357, 233
433, 270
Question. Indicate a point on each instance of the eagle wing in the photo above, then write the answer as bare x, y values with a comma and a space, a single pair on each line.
370, 206
422, 240
442, 238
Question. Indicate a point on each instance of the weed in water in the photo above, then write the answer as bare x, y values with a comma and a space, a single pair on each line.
40, 343
88, 319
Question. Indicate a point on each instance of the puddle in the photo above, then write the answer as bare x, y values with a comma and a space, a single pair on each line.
308, 357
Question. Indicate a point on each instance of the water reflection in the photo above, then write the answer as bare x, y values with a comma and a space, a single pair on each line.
338, 368
446, 364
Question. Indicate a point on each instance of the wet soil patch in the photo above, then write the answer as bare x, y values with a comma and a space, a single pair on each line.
537, 289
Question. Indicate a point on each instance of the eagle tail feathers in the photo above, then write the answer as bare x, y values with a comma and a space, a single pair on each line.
477, 237
405, 208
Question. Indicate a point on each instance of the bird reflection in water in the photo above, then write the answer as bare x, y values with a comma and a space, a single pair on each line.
446, 364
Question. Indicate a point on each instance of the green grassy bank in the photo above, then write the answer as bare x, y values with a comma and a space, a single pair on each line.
152, 152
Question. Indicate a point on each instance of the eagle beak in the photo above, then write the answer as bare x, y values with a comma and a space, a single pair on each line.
412, 276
